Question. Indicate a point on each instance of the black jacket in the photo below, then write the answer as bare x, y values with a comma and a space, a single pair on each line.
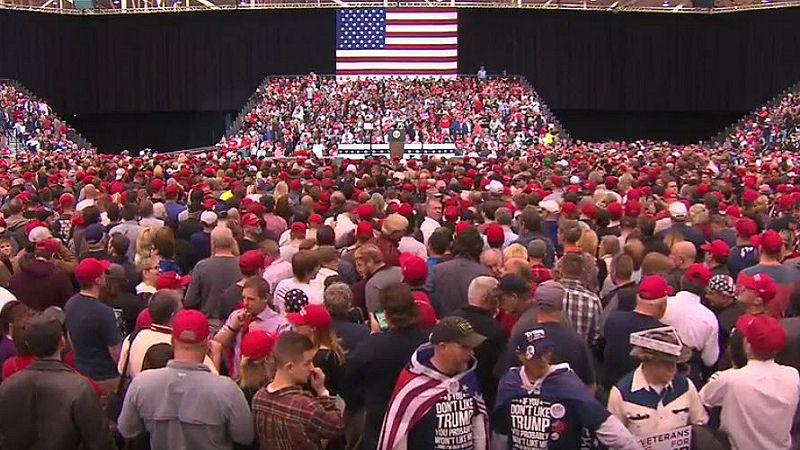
489, 351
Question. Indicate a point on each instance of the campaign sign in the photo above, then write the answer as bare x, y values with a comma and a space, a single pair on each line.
532, 421
677, 439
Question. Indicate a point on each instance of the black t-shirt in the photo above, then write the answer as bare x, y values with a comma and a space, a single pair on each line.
126, 307
246, 246
92, 328
333, 369
617, 360
489, 351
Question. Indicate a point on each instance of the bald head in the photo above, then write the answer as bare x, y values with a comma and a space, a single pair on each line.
683, 254
222, 238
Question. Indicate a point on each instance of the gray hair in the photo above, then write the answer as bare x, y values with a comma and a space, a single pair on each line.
479, 288
337, 299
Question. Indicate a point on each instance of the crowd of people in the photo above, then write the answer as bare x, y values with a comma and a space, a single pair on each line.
481, 115
30, 122
562, 296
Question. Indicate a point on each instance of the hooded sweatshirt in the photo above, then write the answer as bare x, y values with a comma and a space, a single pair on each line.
39, 284
433, 411
553, 412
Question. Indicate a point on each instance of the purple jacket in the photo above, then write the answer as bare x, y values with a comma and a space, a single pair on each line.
40, 284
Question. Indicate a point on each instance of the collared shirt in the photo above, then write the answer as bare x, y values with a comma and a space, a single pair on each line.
409, 244
695, 324
758, 404
541, 273
427, 227
293, 419
268, 320
184, 406
583, 309
130, 229
274, 224
645, 409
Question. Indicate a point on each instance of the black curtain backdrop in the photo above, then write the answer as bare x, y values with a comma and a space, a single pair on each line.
212, 61
638, 62
202, 61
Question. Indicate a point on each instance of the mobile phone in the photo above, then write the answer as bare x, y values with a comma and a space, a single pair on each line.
380, 317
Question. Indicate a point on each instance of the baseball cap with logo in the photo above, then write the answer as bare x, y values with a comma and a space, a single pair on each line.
533, 343
762, 284
456, 329
549, 295
763, 332
90, 269
171, 280
314, 316
678, 210
653, 287
190, 327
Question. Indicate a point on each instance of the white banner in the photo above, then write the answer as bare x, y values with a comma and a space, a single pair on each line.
678, 439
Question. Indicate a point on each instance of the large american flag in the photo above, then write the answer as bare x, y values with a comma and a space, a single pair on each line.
397, 42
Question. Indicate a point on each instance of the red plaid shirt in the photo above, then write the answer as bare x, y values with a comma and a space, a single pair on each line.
541, 273
294, 419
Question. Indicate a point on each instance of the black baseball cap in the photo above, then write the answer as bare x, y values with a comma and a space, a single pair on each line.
513, 283
456, 329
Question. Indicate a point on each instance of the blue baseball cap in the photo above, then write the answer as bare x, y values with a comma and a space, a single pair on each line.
533, 342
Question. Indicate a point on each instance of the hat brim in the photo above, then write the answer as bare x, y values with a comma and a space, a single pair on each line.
472, 339
296, 319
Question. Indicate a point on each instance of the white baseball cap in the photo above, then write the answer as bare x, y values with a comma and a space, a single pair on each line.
678, 210
208, 217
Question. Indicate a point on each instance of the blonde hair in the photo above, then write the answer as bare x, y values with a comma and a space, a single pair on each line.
610, 245
144, 245
281, 189
255, 374
588, 242
328, 339
515, 251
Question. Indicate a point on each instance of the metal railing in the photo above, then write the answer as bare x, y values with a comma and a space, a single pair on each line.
72, 134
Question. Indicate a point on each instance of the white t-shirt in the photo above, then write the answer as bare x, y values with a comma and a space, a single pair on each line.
5, 297
314, 295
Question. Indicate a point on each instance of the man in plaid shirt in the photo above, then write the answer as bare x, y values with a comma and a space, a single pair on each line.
582, 306
288, 417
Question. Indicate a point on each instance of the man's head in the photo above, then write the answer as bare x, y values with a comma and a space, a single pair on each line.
572, 266
44, 335
163, 305
255, 293
717, 253
454, 341
394, 227
683, 254
251, 263
621, 269
479, 293
549, 297
190, 335
721, 290
118, 244
755, 291
770, 246
534, 348
208, 219
493, 259
305, 265
469, 244
570, 232
660, 350
397, 302
369, 258
678, 212
338, 298
651, 298
433, 208
439, 242
531, 220
514, 293
222, 239
294, 355
90, 273
764, 336
537, 250
695, 279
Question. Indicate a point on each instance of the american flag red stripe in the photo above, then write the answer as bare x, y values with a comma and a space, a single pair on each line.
416, 42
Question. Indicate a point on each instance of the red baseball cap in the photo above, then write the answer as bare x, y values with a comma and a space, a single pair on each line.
251, 261
47, 246
190, 327
761, 283
745, 227
364, 230
451, 213
66, 199
771, 241
589, 210
171, 280
414, 268
698, 274
364, 212
298, 227
315, 218
749, 197
734, 211
764, 333
314, 316
171, 191
405, 209
785, 202
461, 226
615, 209
718, 249
250, 220
157, 184
495, 235
90, 269
653, 287
257, 345
568, 208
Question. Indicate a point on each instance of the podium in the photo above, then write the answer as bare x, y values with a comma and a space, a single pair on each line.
397, 143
